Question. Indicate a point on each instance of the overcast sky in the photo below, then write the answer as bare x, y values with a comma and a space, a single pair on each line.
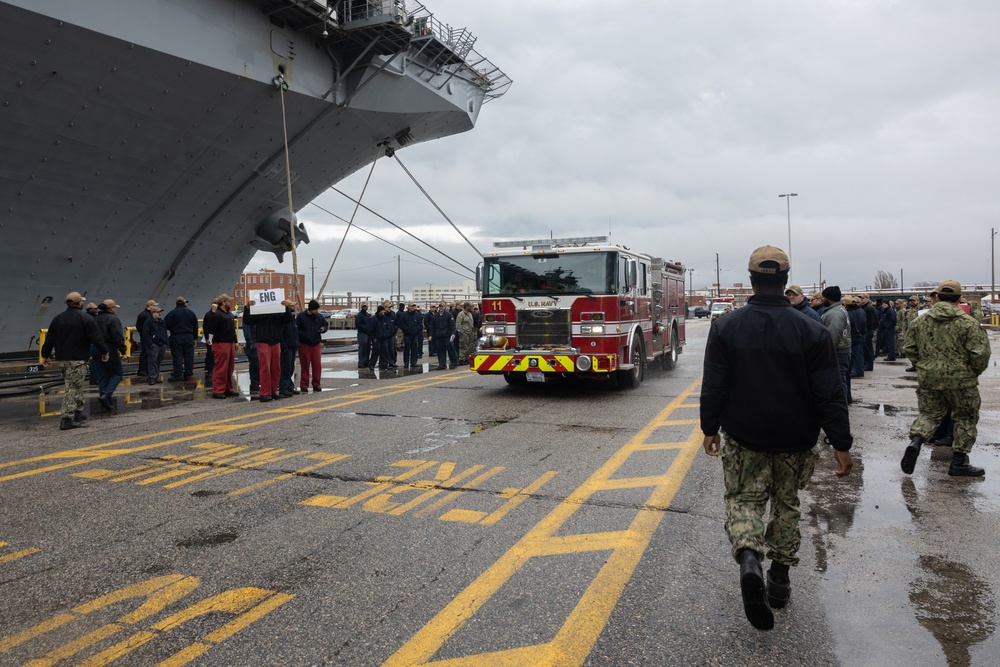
677, 123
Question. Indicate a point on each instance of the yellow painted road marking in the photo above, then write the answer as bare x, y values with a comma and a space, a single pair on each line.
245, 605
95, 453
575, 639
6, 558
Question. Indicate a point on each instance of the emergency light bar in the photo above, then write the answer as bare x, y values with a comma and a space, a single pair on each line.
551, 242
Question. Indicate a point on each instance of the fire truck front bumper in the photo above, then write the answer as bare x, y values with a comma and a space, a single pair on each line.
486, 363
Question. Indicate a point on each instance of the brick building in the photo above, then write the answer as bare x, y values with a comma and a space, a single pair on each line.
267, 279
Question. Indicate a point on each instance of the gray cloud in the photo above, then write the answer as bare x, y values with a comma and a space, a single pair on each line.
678, 123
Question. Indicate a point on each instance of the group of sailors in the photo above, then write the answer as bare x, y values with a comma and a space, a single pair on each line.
451, 331
93, 335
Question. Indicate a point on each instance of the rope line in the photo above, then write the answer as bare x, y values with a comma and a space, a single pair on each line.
388, 242
279, 81
412, 236
454, 226
350, 223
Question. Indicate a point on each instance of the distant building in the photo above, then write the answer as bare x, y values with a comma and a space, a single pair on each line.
267, 279
466, 291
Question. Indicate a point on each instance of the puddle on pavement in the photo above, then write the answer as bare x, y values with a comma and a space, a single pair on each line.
883, 543
136, 394
954, 605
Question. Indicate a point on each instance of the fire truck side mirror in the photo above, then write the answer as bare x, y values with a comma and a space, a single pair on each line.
479, 278
632, 275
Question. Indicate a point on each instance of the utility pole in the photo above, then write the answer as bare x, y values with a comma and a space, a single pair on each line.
312, 267
901, 281
993, 273
690, 284
399, 281
718, 280
788, 206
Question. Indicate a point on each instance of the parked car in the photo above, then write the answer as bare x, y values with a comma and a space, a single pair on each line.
345, 313
698, 311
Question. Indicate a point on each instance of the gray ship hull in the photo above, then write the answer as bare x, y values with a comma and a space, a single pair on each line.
143, 147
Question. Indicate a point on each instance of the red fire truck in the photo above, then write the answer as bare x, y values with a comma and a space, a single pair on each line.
577, 307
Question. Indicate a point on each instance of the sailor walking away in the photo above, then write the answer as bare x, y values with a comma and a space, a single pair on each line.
771, 381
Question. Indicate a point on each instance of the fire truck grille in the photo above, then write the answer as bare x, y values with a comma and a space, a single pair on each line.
539, 328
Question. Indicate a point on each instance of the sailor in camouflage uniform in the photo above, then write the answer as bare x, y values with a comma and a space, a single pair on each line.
771, 381
950, 351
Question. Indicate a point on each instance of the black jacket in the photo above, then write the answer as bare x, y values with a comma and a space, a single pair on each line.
111, 331
270, 326
70, 335
859, 323
771, 379
181, 321
221, 325
140, 320
154, 332
441, 325
363, 321
411, 322
290, 335
382, 325
311, 328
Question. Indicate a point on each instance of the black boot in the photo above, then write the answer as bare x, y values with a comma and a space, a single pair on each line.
779, 588
67, 424
960, 466
78, 416
754, 596
911, 454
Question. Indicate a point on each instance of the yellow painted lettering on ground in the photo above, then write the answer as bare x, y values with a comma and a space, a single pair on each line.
584, 623
324, 460
243, 605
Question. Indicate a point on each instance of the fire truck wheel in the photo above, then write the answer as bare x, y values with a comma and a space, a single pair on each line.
670, 355
633, 377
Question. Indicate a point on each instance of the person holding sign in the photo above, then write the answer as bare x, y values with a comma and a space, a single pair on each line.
269, 328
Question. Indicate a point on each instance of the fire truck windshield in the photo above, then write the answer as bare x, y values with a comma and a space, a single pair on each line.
565, 273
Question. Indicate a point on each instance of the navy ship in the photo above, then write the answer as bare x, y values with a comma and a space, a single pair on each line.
143, 152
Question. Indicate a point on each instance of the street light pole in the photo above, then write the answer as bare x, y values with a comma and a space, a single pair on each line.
993, 273
788, 207
718, 280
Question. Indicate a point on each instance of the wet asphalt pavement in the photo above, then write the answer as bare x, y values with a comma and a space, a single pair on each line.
309, 544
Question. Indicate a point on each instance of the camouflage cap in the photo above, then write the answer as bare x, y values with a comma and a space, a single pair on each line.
950, 287
768, 259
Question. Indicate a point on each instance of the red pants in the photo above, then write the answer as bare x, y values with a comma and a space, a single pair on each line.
310, 356
224, 355
270, 368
